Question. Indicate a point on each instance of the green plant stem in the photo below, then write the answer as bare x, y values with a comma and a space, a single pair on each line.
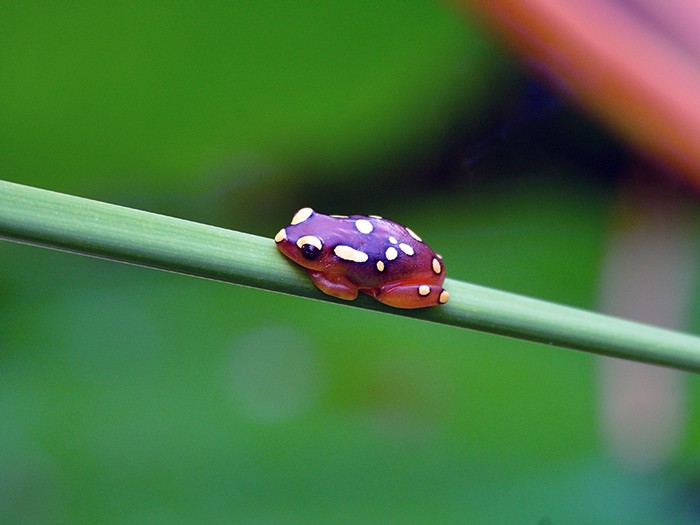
34, 216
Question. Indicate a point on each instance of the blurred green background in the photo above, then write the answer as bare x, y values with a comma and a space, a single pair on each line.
132, 396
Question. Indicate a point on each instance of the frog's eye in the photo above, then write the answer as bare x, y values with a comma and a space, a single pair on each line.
310, 251
310, 246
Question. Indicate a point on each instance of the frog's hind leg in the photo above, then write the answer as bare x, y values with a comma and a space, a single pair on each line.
412, 295
336, 285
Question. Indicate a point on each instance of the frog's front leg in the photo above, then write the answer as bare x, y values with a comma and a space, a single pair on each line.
409, 295
333, 284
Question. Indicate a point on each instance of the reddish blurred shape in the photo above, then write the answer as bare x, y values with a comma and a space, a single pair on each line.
634, 63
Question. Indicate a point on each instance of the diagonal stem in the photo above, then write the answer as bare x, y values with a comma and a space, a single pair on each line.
65, 222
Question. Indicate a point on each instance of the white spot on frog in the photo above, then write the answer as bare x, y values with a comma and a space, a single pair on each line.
413, 234
348, 253
405, 248
310, 239
302, 215
364, 226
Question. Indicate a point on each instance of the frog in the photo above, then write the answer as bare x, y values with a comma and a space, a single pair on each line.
345, 255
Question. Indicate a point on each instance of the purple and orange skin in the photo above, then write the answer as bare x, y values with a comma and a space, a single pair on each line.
345, 255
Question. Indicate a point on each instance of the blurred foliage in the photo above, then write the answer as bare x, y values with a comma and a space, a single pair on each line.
133, 396
135, 97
